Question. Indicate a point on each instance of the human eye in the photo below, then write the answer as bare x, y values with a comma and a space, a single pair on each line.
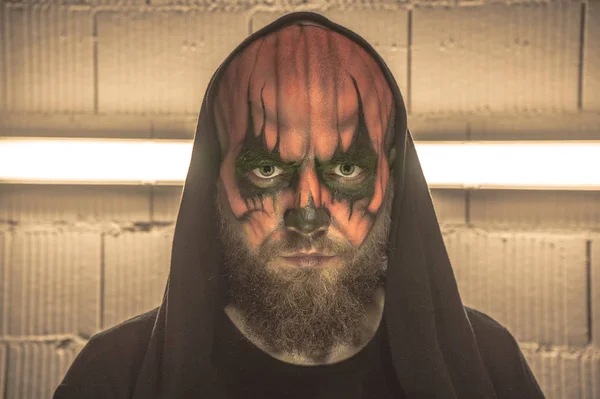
267, 171
347, 170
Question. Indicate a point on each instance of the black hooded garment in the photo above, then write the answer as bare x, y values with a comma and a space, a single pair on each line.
436, 347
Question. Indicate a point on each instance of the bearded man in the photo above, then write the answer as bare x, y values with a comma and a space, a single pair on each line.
307, 259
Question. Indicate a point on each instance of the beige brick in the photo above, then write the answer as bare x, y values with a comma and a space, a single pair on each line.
36, 368
496, 57
591, 61
160, 62
449, 206
225, 5
595, 290
532, 283
590, 374
136, 267
535, 209
52, 282
166, 201
74, 202
389, 36
48, 59
77, 126
559, 126
557, 371
179, 127
3, 76
3, 362
438, 127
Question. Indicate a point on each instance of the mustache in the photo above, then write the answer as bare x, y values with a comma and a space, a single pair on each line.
292, 242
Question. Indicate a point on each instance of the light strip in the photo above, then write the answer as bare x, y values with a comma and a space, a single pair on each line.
560, 165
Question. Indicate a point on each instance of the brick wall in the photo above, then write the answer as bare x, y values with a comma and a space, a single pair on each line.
77, 259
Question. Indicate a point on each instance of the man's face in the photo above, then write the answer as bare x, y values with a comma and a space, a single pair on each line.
302, 118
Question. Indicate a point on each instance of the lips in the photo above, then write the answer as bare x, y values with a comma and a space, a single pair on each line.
308, 260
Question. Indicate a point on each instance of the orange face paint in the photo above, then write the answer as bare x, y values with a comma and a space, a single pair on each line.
302, 116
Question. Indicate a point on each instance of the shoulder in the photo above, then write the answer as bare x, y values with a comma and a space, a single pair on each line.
503, 358
111, 358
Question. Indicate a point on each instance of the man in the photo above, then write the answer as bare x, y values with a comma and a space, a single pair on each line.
307, 259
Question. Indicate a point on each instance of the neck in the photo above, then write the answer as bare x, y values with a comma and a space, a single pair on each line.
337, 353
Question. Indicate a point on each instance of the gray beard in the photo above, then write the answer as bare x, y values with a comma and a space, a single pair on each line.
305, 311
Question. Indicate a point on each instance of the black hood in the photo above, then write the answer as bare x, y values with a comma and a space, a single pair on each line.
432, 342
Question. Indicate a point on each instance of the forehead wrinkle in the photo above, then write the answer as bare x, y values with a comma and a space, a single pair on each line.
231, 92
352, 54
375, 86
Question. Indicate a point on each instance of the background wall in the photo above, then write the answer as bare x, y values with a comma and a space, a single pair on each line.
78, 259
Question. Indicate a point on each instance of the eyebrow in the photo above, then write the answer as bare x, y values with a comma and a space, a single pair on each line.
257, 155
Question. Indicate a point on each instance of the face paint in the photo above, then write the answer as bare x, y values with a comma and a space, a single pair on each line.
303, 116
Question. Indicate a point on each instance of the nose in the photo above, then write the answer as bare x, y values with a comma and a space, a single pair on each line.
308, 220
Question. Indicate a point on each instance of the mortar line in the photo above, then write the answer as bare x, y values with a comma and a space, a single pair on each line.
581, 58
588, 274
467, 207
102, 278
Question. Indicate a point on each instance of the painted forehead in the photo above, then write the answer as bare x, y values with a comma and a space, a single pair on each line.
306, 90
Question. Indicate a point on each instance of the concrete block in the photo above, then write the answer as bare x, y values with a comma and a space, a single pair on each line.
450, 206
53, 282
557, 371
591, 58
590, 374
77, 126
532, 283
595, 289
438, 127
36, 368
166, 201
225, 5
3, 75
389, 36
535, 209
160, 62
74, 203
180, 127
48, 59
497, 57
136, 268
558, 126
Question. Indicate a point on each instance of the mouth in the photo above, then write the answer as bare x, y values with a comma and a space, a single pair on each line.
304, 259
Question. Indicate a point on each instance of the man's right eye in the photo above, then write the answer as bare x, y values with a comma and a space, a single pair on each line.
267, 171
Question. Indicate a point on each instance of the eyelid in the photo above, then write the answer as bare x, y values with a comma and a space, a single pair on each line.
360, 170
270, 177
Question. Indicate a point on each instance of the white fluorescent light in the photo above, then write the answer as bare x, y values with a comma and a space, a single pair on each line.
100, 161
550, 165
556, 165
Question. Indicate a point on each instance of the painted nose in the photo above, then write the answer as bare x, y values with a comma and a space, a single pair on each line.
308, 220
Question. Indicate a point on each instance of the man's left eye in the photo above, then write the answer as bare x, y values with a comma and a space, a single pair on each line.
347, 170
267, 171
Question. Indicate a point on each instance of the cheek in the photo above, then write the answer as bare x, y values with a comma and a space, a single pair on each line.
259, 225
353, 228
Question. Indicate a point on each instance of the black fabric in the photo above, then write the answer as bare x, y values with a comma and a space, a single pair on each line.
437, 347
248, 372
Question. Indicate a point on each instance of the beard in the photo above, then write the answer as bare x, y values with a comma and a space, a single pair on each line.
305, 311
